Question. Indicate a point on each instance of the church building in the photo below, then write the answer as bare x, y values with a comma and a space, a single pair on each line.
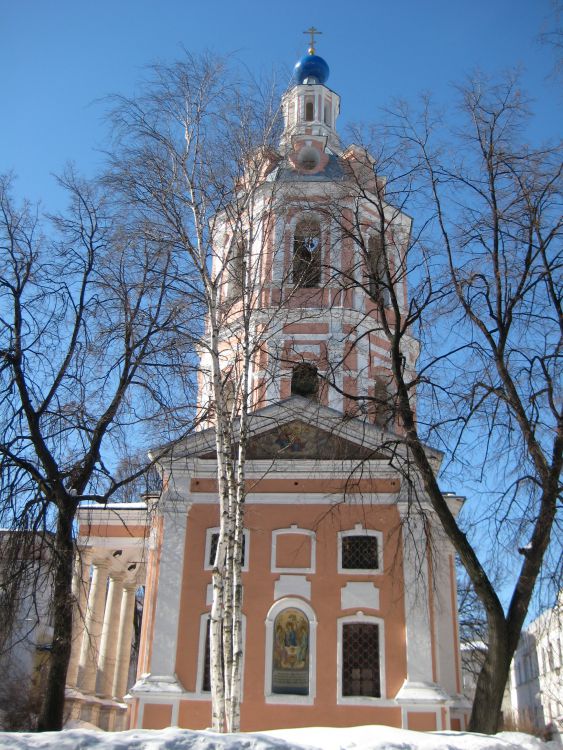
349, 587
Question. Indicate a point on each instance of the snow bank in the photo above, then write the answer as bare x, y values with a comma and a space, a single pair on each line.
311, 738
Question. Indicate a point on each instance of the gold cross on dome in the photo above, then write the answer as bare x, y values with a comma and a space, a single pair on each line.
312, 31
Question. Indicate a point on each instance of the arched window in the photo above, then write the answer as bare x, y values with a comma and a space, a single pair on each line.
305, 380
290, 652
229, 393
307, 254
309, 110
377, 277
382, 403
235, 267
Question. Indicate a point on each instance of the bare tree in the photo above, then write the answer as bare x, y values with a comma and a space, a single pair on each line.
89, 359
484, 271
190, 162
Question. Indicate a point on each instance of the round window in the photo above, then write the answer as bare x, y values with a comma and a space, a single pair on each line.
308, 158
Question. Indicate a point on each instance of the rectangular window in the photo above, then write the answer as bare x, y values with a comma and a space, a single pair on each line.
214, 541
360, 660
360, 552
206, 682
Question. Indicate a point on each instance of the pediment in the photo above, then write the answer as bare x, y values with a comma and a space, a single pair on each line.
295, 440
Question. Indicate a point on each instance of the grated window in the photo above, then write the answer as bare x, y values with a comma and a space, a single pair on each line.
360, 553
213, 548
360, 663
206, 683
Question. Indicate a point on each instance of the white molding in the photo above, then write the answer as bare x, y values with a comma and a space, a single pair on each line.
292, 585
359, 530
363, 594
309, 498
308, 611
215, 530
175, 713
360, 700
294, 529
87, 542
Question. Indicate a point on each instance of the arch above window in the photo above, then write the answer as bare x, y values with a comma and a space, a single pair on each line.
306, 270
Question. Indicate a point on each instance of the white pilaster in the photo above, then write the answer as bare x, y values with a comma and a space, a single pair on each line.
175, 516
417, 611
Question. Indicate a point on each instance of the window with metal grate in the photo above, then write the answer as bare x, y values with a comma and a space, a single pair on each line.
360, 660
360, 553
213, 549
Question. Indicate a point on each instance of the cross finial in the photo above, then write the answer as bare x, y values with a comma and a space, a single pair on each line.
312, 31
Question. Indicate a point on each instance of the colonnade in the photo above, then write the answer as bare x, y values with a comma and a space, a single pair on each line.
104, 591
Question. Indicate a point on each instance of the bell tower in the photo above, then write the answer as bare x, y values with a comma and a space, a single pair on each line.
323, 258
310, 108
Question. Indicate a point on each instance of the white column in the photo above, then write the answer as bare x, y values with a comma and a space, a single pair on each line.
123, 655
93, 628
80, 586
108, 643
175, 517
417, 612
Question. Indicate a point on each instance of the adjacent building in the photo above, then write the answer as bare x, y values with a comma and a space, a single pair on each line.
536, 673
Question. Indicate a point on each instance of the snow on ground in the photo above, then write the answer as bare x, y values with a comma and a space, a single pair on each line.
311, 738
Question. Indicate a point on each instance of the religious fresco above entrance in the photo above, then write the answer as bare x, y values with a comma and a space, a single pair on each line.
290, 658
297, 440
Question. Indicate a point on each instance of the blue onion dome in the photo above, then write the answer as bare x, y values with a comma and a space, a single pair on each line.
311, 69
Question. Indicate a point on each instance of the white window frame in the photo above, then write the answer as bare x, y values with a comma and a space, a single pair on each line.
200, 693
360, 700
294, 529
309, 612
359, 530
215, 530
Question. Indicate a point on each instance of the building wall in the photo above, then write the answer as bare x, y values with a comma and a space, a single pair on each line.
310, 563
536, 675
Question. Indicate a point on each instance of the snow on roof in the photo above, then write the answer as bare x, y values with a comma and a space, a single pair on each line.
113, 506
310, 738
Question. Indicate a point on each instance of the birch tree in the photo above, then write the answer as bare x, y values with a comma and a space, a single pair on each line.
191, 157
483, 266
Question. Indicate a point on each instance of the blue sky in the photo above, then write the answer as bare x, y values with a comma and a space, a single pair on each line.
60, 58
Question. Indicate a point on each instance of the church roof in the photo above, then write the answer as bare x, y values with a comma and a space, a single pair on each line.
332, 172
338, 436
